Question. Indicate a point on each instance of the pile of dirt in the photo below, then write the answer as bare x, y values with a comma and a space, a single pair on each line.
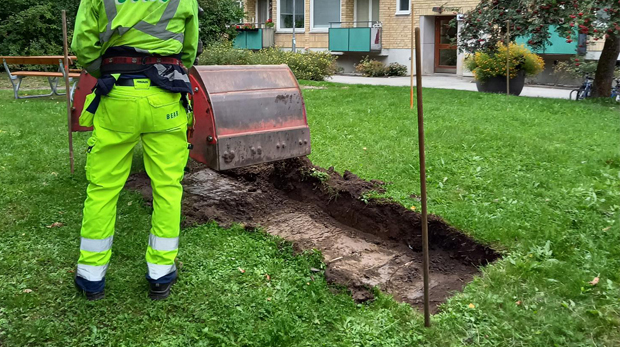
365, 242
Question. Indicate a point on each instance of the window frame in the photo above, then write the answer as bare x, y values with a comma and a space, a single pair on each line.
401, 12
321, 30
279, 28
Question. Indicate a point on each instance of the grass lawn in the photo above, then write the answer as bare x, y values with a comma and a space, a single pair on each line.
538, 179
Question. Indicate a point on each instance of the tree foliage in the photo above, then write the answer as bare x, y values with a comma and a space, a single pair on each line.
216, 19
486, 25
28, 28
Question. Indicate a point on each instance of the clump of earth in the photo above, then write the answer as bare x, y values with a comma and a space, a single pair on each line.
365, 242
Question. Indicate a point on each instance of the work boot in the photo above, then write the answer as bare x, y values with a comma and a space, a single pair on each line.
160, 291
90, 296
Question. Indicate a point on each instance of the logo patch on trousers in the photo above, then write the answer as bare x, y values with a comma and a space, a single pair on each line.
172, 115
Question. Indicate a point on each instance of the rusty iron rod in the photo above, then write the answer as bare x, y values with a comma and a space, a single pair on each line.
508, 57
412, 52
67, 86
425, 255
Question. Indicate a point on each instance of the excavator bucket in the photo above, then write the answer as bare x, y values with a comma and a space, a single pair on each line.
246, 115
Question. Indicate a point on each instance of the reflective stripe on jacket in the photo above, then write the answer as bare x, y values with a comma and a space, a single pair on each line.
161, 27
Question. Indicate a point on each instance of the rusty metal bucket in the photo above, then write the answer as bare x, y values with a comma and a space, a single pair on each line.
247, 115
244, 115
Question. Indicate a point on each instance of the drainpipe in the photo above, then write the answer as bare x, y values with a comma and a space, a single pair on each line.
294, 25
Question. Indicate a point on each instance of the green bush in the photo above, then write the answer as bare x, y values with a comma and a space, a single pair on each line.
35, 27
396, 69
374, 68
371, 68
224, 54
315, 66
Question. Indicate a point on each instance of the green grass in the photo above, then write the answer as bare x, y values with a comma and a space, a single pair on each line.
537, 179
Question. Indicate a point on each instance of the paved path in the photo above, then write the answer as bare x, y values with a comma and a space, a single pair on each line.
447, 82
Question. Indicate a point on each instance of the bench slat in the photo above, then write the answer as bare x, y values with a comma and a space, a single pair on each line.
44, 74
36, 60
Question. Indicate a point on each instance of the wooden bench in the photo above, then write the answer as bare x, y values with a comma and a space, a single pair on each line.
52, 77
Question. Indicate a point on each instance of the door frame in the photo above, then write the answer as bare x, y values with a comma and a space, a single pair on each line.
439, 46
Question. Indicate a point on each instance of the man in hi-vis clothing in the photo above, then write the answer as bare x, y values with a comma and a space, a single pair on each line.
139, 50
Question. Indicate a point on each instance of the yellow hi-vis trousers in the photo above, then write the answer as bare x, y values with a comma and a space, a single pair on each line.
124, 117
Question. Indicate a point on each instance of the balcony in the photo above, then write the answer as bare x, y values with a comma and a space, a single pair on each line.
253, 36
362, 37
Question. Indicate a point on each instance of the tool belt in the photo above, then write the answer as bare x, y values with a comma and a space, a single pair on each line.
147, 60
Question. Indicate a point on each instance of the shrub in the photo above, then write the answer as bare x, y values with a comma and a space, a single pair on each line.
486, 65
223, 54
371, 68
307, 65
374, 68
396, 69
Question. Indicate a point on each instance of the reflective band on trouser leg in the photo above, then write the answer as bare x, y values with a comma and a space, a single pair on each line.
96, 245
163, 243
92, 266
157, 271
92, 273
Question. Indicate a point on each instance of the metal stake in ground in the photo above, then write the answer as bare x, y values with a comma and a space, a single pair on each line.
425, 261
508, 57
67, 86
412, 46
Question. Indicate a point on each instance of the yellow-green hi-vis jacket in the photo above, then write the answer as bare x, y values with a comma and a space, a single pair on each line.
160, 27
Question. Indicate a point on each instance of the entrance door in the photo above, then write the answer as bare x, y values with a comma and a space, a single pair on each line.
366, 11
263, 11
445, 45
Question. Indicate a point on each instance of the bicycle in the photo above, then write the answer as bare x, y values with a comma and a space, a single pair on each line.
585, 91
615, 91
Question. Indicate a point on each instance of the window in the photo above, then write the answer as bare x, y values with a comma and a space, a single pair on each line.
402, 6
285, 10
325, 12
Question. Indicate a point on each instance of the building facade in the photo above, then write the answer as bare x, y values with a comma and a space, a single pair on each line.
380, 29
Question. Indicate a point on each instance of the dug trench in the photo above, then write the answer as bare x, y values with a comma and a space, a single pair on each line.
365, 242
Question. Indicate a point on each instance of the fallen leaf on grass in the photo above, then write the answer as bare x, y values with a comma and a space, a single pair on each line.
607, 229
242, 271
55, 225
268, 277
27, 290
130, 203
594, 281
471, 306
313, 269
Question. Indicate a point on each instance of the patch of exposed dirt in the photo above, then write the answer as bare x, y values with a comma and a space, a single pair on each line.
364, 243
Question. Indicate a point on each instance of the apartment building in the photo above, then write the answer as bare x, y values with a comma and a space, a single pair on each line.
380, 29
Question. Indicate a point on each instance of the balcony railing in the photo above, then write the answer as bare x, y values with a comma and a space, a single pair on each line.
361, 36
254, 36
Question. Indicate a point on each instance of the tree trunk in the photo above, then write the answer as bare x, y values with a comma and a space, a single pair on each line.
606, 67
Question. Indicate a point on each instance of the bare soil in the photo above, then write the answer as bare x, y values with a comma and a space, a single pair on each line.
364, 242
